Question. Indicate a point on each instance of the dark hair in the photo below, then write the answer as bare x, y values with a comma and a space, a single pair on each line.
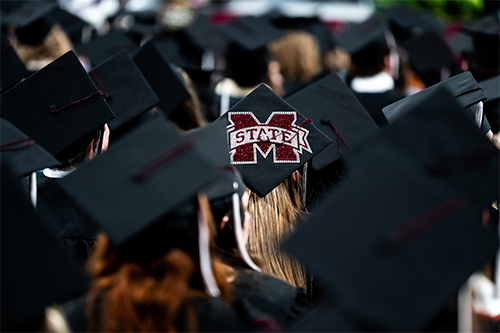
78, 152
369, 61
247, 68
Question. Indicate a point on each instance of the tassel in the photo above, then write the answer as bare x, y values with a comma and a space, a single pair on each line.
207, 273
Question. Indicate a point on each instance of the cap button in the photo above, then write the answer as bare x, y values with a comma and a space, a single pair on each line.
52, 107
325, 121
107, 96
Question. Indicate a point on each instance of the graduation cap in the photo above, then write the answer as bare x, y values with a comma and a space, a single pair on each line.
269, 139
64, 109
165, 80
126, 90
463, 87
22, 152
101, 48
12, 68
36, 270
33, 21
72, 25
491, 88
337, 113
433, 130
418, 49
365, 41
405, 22
251, 33
392, 265
485, 34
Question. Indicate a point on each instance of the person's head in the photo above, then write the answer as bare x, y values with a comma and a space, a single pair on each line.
247, 68
274, 218
372, 60
152, 293
298, 54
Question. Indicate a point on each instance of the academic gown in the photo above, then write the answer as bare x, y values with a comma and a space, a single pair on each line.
66, 221
374, 102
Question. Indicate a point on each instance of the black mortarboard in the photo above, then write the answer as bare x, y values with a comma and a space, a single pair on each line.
36, 271
434, 130
33, 21
251, 33
166, 82
365, 37
12, 68
103, 47
463, 87
418, 50
405, 22
63, 110
129, 190
459, 43
491, 88
22, 152
72, 25
211, 140
392, 265
337, 113
485, 34
126, 90
269, 139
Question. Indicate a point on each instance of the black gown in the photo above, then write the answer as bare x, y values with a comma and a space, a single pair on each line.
76, 230
374, 102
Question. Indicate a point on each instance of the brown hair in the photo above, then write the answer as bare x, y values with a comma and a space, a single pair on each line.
54, 45
274, 218
298, 54
127, 296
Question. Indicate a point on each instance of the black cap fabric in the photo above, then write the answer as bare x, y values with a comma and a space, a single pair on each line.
63, 107
251, 33
126, 90
418, 50
36, 270
393, 263
22, 152
12, 68
485, 34
211, 141
166, 83
101, 48
269, 139
434, 131
491, 88
72, 25
33, 21
337, 113
369, 34
149, 174
405, 22
463, 87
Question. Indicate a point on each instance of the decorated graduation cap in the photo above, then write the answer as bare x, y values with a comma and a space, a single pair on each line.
22, 152
125, 89
37, 272
393, 264
33, 21
485, 34
12, 68
491, 88
101, 48
269, 139
334, 110
463, 87
166, 82
435, 131
147, 186
64, 111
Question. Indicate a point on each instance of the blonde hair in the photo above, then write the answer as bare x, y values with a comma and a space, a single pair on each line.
298, 54
54, 45
274, 218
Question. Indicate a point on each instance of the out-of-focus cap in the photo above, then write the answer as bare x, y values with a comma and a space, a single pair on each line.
269, 139
72, 25
126, 90
12, 68
405, 22
36, 270
166, 82
130, 190
64, 107
485, 34
491, 88
22, 152
251, 33
33, 21
463, 87
101, 48
337, 113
